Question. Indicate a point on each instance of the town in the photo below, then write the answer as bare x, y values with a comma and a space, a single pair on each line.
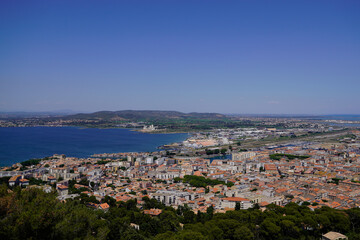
211, 169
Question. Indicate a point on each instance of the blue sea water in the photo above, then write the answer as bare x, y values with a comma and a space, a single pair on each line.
23, 143
228, 156
342, 117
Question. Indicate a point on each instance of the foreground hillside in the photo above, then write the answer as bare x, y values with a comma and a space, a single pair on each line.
33, 214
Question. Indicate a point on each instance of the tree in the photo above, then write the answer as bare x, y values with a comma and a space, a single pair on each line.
228, 226
210, 212
177, 180
289, 229
243, 233
269, 230
33, 214
214, 231
80, 223
109, 200
189, 235
237, 206
354, 216
165, 236
200, 217
152, 203
256, 206
189, 216
131, 234
169, 221
209, 152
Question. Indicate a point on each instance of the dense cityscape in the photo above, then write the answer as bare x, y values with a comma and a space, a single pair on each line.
321, 174
214, 171
179, 120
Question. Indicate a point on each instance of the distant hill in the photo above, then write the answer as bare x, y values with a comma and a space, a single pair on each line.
17, 115
142, 115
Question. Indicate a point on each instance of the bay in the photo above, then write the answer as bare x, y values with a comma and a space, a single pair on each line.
345, 117
23, 143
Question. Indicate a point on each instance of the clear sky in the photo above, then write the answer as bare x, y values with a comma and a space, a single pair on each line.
243, 56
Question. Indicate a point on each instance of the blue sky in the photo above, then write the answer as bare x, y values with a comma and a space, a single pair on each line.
281, 57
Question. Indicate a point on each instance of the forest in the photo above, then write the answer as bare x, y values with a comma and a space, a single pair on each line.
33, 214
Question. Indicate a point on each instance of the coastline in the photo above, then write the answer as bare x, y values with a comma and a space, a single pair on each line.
23, 143
157, 131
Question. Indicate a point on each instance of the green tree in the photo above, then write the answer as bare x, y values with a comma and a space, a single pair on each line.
164, 236
210, 212
109, 200
269, 230
169, 221
243, 233
81, 222
289, 229
354, 217
189, 235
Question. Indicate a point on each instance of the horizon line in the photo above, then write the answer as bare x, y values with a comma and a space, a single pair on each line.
234, 113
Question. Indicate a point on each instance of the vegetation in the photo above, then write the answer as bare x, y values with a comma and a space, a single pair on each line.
138, 115
73, 190
211, 152
34, 161
168, 121
335, 180
350, 136
31, 162
34, 181
102, 162
278, 156
4, 180
198, 181
34, 214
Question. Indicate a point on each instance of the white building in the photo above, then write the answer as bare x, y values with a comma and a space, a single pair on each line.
241, 156
171, 197
230, 202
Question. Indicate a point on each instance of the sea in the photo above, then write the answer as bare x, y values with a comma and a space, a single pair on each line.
227, 157
341, 117
354, 118
22, 143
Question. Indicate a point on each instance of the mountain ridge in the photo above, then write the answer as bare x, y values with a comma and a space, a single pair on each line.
144, 115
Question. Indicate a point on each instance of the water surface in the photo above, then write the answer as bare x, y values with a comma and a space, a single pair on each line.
23, 143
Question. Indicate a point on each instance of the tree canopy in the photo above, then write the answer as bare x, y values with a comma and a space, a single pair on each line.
34, 214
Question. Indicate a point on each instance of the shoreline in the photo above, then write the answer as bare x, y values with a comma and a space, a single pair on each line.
36, 147
87, 127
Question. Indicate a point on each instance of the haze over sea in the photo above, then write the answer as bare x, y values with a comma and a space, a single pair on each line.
23, 143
